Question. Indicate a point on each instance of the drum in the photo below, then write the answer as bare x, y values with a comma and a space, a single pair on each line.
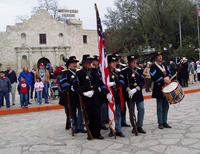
173, 92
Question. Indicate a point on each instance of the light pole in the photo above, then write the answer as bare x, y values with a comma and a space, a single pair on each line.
180, 30
198, 26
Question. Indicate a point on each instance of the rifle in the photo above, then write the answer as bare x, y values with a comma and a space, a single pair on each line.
133, 115
84, 115
70, 114
67, 114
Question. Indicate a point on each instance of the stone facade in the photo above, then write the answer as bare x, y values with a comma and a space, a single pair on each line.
20, 45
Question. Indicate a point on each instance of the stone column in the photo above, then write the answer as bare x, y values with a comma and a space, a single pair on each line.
56, 56
19, 61
30, 59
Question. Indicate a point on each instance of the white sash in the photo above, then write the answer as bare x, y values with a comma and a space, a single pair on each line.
161, 68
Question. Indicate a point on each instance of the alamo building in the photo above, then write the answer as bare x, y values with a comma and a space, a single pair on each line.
44, 39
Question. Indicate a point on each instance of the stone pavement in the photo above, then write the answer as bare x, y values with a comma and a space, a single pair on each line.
44, 133
55, 101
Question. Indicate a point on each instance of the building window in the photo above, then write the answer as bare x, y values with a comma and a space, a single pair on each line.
85, 39
43, 39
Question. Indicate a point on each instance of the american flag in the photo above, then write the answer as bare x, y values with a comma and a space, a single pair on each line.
198, 9
105, 72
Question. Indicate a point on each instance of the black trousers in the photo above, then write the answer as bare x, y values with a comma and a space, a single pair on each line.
93, 108
198, 74
148, 84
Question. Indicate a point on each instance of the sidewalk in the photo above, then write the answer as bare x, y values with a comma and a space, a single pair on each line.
53, 104
44, 133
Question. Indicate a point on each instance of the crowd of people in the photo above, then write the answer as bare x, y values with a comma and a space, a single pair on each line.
126, 82
32, 84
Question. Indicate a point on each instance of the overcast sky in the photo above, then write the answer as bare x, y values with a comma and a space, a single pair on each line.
11, 8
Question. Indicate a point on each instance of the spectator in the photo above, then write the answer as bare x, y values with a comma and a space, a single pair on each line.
198, 71
195, 69
23, 89
44, 75
5, 88
50, 70
147, 77
28, 78
57, 71
172, 67
13, 79
191, 71
32, 86
185, 74
39, 88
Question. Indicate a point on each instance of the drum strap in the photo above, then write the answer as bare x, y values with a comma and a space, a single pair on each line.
161, 67
72, 72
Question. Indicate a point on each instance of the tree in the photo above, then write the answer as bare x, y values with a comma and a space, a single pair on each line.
50, 5
136, 25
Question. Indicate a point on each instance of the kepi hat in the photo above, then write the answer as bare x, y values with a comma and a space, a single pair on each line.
131, 57
86, 58
112, 58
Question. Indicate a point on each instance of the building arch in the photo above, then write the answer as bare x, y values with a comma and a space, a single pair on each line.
43, 60
61, 39
24, 61
61, 62
23, 39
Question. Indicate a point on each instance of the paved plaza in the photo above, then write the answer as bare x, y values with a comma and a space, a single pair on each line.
44, 133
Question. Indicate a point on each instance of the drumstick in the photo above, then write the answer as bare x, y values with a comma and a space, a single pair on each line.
173, 76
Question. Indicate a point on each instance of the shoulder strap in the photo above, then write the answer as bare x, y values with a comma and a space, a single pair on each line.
114, 73
88, 73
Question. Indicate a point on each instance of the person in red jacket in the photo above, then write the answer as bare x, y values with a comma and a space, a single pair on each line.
23, 89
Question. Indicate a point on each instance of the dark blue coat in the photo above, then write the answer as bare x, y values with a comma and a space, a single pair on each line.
87, 82
137, 78
157, 77
12, 76
74, 98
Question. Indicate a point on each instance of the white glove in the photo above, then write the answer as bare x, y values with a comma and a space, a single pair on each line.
110, 84
99, 89
109, 97
131, 93
88, 94
72, 89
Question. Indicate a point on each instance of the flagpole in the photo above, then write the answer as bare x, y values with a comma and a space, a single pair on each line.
198, 27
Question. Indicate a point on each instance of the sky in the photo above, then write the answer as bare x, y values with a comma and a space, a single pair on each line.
12, 8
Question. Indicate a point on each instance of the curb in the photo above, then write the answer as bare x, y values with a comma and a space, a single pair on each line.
30, 109
55, 107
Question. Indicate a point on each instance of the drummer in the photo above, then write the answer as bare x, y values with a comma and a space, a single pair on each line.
160, 75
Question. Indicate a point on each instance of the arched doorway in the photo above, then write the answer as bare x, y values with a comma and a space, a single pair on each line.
43, 60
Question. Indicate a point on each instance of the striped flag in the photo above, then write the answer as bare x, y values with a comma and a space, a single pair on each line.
105, 72
198, 9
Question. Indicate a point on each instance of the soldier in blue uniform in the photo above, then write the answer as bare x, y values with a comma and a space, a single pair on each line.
160, 75
116, 81
136, 80
88, 79
69, 77
102, 92
120, 67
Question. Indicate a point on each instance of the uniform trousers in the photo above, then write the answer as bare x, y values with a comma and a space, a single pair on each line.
93, 108
162, 110
77, 120
140, 114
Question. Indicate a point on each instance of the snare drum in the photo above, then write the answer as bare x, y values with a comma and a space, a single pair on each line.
173, 92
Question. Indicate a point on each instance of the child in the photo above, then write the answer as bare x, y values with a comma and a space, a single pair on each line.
5, 88
39, 88
23, 89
